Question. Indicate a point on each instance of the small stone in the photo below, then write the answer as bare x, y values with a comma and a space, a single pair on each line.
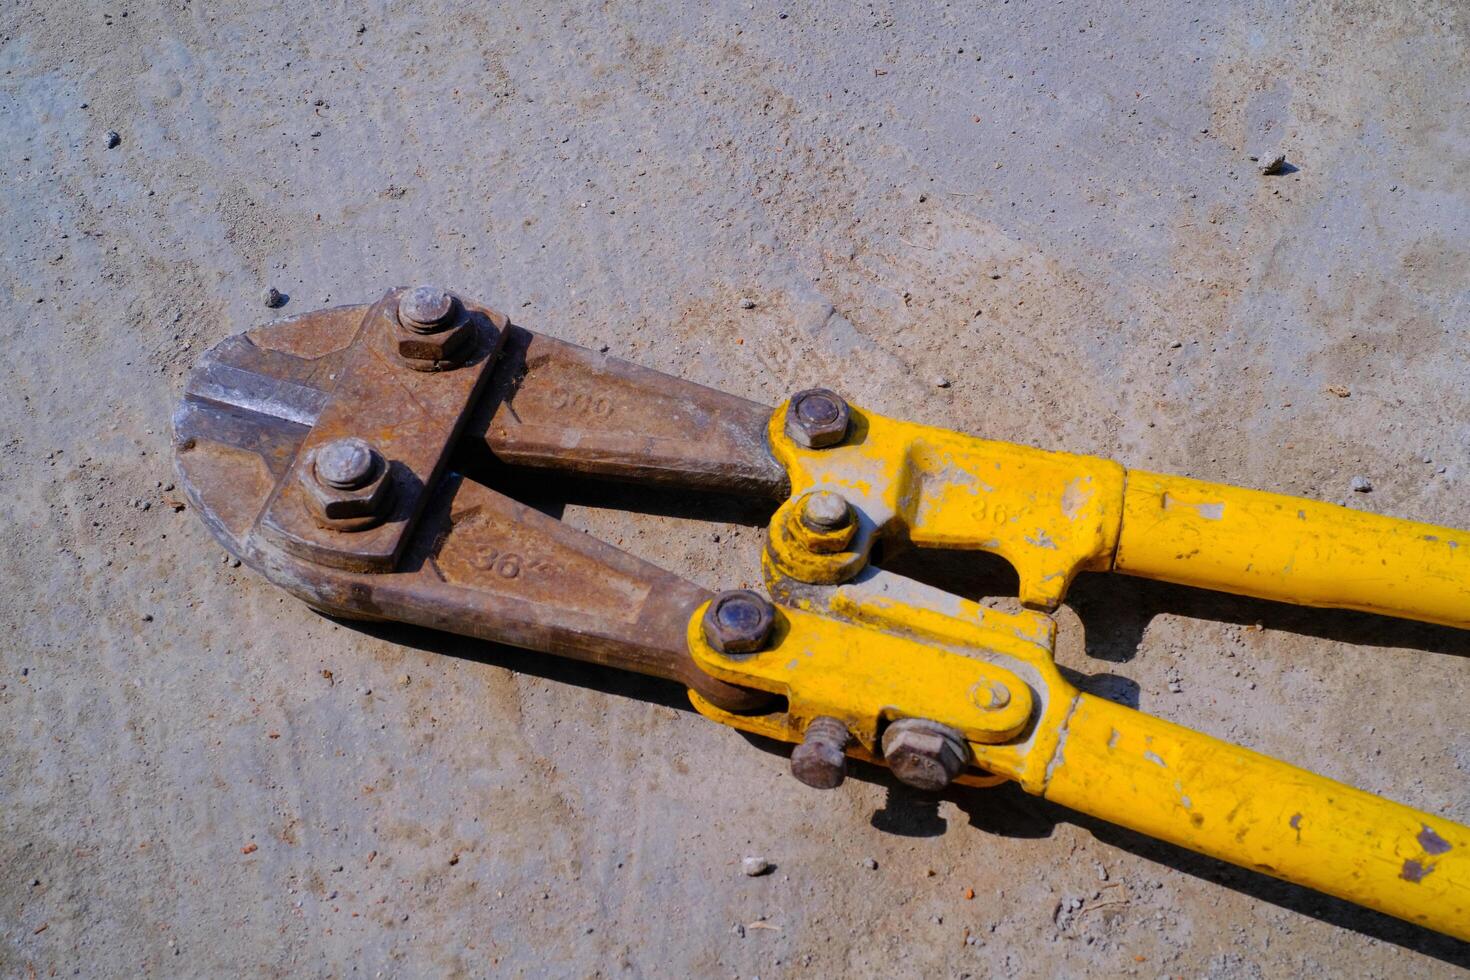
1361, 484
146, 617
1341, 391
939, 381
870, 864
112, 139
1176, 344
404, 680
1175, 687
1271, 164
754, 867
747, 304
274, 298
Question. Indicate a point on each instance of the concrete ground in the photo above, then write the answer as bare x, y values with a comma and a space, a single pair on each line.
1050, 207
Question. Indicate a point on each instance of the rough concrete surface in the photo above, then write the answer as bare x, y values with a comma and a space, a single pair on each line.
1051, 207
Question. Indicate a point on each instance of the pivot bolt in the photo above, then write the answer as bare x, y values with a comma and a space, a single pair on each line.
433, 331
348, 483
820, 761
925, 754
345, 464
738, 622
817, 418
825, 511
426, 309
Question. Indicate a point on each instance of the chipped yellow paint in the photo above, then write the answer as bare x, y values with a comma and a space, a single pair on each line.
866, 678
1054, 514
862, 653
1231, 803
1049, 514
1277, 547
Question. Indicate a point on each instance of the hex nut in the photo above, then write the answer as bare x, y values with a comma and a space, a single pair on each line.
817, 418
431, 331
348, 508
823, 522
925, 754
738, 622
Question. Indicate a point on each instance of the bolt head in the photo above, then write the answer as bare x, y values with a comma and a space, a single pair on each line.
345, 464
817, 418
425, 309
738, 622
347, 507
820, 760
825, 511
925, 754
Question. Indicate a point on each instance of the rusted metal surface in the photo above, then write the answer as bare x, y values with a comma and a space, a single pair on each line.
817, 418
411, 417
820, 761
476, 563
554, 404
925, 754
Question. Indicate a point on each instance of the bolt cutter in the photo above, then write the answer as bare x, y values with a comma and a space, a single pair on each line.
350, 456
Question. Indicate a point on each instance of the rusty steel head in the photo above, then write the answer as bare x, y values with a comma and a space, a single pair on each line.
431, 331
817, 418
820, 761
347, 483
925, 754
425, 309
738, 622
824, 511
345, 464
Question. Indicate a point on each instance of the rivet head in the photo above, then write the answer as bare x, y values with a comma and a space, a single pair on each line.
425, 309
990, 696
346, 464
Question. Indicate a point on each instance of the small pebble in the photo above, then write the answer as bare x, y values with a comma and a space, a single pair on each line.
754, 867
870, 864
113, 139
939, 381
146, 617
274, 298
1361, 484
1175, 687
1176, 344
1271, 164
747, 304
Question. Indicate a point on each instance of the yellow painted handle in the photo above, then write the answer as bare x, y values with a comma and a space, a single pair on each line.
1233, 804
1272, 546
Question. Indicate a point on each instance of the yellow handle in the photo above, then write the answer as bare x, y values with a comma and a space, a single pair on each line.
1233, 804
1277, 547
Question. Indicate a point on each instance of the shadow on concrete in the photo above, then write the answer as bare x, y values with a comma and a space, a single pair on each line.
1114, 610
